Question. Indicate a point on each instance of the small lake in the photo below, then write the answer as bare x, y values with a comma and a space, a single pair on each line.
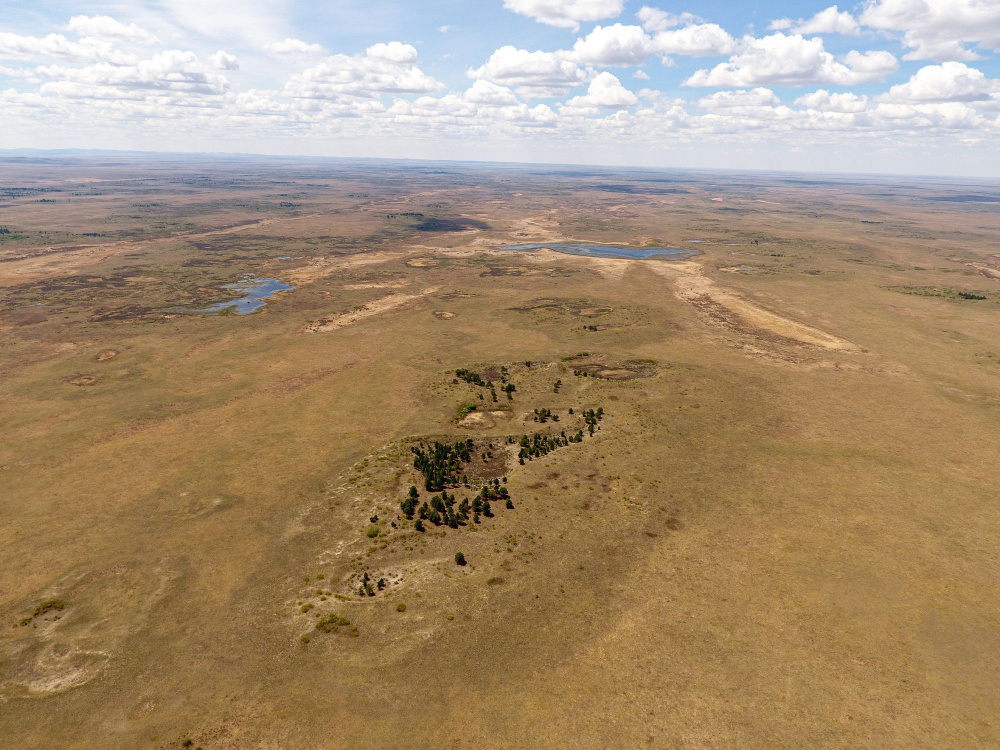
606, 251
253, 293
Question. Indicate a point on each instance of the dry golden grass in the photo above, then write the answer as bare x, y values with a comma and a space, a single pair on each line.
782, 536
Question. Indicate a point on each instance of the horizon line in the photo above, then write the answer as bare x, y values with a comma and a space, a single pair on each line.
191, 155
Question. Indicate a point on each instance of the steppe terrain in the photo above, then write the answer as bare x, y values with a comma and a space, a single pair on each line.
773, 522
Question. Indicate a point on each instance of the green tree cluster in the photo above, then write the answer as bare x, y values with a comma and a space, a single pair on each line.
441, 464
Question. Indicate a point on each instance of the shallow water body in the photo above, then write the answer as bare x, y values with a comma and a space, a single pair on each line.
255, 291
606, 251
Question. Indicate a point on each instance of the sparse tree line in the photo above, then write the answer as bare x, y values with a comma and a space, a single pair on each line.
539, 445
474, 378
444, 509
544, 415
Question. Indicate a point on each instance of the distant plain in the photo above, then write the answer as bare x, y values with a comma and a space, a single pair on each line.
783, 533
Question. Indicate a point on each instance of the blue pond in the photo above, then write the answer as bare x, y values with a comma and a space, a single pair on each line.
253, 290
606, 251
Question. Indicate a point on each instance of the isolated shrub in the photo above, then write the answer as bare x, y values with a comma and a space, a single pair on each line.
372, 532
400, 607
419, 525
459, 558
46, 606
331, 622
510, 504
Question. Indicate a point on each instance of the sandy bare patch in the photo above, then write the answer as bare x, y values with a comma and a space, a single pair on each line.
253, 225
691, 285
377, 307
476, 420
106, 355
56, 261
82, 380
443, 315
321, 267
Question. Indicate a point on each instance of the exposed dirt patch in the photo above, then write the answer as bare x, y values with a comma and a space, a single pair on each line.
379, 306
107, 354
477, 420
443, 315
618, 370
524, 271
727, 308
376, 285
325, 266
82, 379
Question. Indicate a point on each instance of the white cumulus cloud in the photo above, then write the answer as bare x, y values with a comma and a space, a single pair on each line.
166, 77
292, 48
938, 29
948, 82
383, 69
823, 101
695, 40
566, 14
730, 100
605, 92
829, 21
654, 19
222, 60
793, 61
17, 47
618, 45
106, 27
535, 74
393, 52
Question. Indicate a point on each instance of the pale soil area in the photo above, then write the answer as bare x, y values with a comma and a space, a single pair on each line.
378, 307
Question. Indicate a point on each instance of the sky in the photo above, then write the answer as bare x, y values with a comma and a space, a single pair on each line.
884, 86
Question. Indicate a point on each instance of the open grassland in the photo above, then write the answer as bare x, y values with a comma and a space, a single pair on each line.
781, 532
